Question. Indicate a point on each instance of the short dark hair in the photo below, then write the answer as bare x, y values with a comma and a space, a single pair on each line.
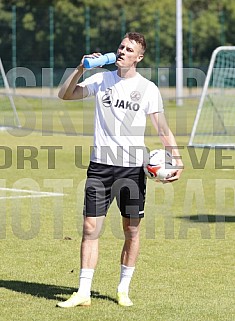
138, 37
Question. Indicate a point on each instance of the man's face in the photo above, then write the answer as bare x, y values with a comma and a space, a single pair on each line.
129, 53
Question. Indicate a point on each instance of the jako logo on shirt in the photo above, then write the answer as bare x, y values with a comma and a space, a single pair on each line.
107, 100
127, 105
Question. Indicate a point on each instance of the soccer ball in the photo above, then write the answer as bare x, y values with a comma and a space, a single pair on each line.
159, 165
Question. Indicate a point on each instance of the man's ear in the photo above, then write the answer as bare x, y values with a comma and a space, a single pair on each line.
140, 57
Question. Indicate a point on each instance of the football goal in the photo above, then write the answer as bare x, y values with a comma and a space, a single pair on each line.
9, 116
214, 124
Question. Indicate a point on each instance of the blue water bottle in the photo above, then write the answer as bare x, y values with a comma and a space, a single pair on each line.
106, 59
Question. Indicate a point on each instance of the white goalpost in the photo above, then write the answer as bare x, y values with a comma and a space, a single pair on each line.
214, 124
9, 102
179, 53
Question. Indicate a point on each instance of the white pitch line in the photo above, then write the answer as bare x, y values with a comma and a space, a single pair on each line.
35, 193
29, 196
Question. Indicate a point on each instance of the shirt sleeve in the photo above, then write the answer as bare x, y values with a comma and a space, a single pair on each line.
92, 83
155, 103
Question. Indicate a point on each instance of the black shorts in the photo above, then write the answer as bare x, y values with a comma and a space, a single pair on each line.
106, 182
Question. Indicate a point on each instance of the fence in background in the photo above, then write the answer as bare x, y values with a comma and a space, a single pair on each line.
30, 36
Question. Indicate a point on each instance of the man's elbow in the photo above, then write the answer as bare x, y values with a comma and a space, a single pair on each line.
63, 96
60, 96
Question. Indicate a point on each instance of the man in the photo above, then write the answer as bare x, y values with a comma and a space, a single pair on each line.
123, 100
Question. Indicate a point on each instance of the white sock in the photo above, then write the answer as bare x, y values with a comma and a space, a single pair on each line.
125, 278
86, 276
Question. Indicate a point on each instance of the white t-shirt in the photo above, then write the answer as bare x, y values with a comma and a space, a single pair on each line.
122, 105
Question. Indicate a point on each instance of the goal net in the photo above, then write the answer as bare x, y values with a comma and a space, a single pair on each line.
8, 115
214, 124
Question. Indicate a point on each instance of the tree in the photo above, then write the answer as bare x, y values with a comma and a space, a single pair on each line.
98, 25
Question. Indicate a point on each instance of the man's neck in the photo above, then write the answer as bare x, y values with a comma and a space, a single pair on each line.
126, 73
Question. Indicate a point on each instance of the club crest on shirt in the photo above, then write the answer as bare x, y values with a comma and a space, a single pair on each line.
135, 95
107, 99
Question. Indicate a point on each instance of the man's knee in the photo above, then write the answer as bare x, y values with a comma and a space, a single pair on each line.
92, 227
131, 228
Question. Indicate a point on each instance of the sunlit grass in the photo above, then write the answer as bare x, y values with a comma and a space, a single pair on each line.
185, 271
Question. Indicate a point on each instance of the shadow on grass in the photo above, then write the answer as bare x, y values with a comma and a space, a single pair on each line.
209, 218
47, 291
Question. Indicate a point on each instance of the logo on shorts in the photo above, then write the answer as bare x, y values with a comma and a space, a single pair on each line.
135, 95
107, 99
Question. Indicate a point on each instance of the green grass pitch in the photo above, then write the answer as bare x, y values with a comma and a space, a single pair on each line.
185, 270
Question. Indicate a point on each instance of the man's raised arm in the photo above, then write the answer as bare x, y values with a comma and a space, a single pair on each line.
71, 90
